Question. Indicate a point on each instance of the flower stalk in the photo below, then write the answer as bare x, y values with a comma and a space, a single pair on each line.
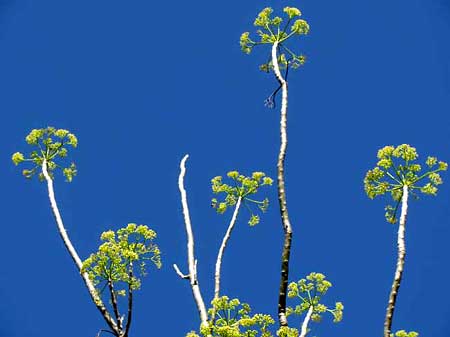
73, 253
401, 247
287, 228
222, 248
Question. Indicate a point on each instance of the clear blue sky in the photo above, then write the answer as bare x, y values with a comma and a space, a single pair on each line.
141, 83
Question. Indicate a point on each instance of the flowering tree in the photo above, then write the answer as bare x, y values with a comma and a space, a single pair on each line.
114, 263
398, 173
114, 272
272, 32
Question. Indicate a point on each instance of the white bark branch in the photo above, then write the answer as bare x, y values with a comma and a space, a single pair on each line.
178, 271
73, 253
282, 192
192, 263
223, 246
304, 329
400, 264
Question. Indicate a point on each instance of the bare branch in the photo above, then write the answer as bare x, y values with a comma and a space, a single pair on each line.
400, 264
223, 246
62, 231
304, 330
190, 247
178, 271
282, 192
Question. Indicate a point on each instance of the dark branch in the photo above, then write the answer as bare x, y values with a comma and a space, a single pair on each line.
114, 304
130, 301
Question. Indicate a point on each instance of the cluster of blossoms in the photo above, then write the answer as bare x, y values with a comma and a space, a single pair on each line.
117, 256
310, 291
271, 31
242, 187
51, 144
397, 167
233, 319
403, 333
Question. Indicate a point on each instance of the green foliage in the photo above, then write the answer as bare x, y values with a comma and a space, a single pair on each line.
120, 253
51, 145
403, 333
397, 167
310, 291
242, 187
233, 319
272, 30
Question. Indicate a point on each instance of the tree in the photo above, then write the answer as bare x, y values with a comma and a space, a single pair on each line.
271, 32
121, 259
116, 259
398, 173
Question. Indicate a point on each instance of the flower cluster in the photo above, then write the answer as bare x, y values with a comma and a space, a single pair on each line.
286, 331
271, 30
121, 251
403, 333
242, 187
397, 167
52, 146
310, 291
233, 319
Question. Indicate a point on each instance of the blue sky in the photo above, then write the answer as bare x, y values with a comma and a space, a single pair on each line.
143, 83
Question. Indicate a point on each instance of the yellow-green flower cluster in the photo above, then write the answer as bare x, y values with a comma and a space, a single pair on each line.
241, 187
50, 145
121, 253
310, 290
292, 12
233, 319
397, 167
271, 30
403, 333
286, 331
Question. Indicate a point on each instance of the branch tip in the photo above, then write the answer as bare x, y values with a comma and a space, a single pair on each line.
178, 271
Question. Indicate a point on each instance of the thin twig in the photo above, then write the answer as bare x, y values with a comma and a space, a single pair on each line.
282, 192
103, 330
63, 233
192, 263
223, 246
178, 271
400, 264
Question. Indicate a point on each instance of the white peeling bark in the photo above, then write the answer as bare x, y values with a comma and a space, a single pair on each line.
223, 246
304, 330
282, 192
73, 253
400, 264
192, 263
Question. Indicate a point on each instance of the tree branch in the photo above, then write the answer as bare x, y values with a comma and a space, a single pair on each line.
63, 233
190, 248
304, 330
130, 302
114, 304
223, 246
282, 192
400, 264
178, 271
